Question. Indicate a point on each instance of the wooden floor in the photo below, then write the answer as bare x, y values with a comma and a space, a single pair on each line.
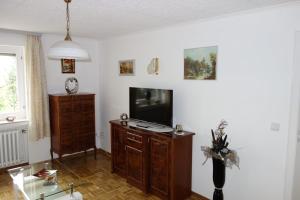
100, 184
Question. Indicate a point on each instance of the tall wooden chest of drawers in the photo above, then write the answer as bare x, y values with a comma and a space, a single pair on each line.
72, 121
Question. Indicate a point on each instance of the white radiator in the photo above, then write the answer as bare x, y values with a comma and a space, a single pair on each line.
13, 147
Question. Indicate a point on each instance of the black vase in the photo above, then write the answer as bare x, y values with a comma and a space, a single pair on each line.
219, 178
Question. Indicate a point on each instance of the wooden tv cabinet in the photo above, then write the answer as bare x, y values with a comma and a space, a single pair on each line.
157, 163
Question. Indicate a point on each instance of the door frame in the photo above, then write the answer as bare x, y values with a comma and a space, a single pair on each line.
293, 122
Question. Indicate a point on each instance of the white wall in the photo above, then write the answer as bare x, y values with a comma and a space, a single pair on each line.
252, 90
12, 38
87, 74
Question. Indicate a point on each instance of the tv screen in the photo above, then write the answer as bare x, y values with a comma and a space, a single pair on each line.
151, 105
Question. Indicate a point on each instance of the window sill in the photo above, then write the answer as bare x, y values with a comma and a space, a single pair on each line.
21, 123
17, 121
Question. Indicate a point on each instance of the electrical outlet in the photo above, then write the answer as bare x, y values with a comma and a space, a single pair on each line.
275, 126
101, 134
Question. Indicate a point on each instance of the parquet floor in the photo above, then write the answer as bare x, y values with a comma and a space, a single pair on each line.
100, 184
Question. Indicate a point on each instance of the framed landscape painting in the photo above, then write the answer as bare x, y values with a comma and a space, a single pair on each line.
126, 67
200, 63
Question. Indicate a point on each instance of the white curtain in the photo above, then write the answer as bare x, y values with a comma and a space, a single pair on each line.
38, 106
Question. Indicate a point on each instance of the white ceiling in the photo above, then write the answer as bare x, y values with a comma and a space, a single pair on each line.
105, 18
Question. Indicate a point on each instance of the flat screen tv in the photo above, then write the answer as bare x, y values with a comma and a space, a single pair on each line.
151, 105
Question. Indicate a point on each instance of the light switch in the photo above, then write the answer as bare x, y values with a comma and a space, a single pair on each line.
275, 126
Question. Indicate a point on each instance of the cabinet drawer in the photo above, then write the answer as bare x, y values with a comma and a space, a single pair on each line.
66, 144
84, 142
83, 97
65, 108
67, 98
134, 140
84, 106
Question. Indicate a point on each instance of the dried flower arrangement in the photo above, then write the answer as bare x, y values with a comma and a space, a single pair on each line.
219, 149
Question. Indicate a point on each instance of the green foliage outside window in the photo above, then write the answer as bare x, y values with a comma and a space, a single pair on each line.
8, 84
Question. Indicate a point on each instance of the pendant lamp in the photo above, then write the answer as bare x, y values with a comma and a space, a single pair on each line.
67, 49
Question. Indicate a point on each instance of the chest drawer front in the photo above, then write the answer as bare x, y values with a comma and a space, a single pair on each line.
67, 98
134, 137
134, 140
84, 106
83, 97
65, 108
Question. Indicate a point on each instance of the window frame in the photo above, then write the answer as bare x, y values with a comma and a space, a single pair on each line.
21, 114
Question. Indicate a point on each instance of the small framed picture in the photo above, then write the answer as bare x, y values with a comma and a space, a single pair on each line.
126, 67
68, 66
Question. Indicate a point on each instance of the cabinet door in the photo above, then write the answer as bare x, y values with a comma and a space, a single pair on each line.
159, 166
135, 159
119, 151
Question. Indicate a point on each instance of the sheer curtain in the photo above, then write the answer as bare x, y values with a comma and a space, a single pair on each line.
38, 107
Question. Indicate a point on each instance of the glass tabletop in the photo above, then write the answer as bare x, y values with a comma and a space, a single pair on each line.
43, 180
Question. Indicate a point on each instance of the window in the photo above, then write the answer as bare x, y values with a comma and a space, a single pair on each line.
12, 83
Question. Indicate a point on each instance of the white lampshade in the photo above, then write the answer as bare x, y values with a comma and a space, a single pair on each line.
67, 49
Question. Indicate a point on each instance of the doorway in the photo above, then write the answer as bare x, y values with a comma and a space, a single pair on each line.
296, 177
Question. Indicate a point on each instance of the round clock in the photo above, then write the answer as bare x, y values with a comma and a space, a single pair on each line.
123, 116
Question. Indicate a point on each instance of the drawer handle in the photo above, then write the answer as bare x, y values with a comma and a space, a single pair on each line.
134, 136
133, 140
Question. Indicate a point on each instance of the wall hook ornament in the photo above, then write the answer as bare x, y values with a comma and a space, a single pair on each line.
153, 67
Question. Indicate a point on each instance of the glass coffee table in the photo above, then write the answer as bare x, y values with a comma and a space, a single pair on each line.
56, 184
